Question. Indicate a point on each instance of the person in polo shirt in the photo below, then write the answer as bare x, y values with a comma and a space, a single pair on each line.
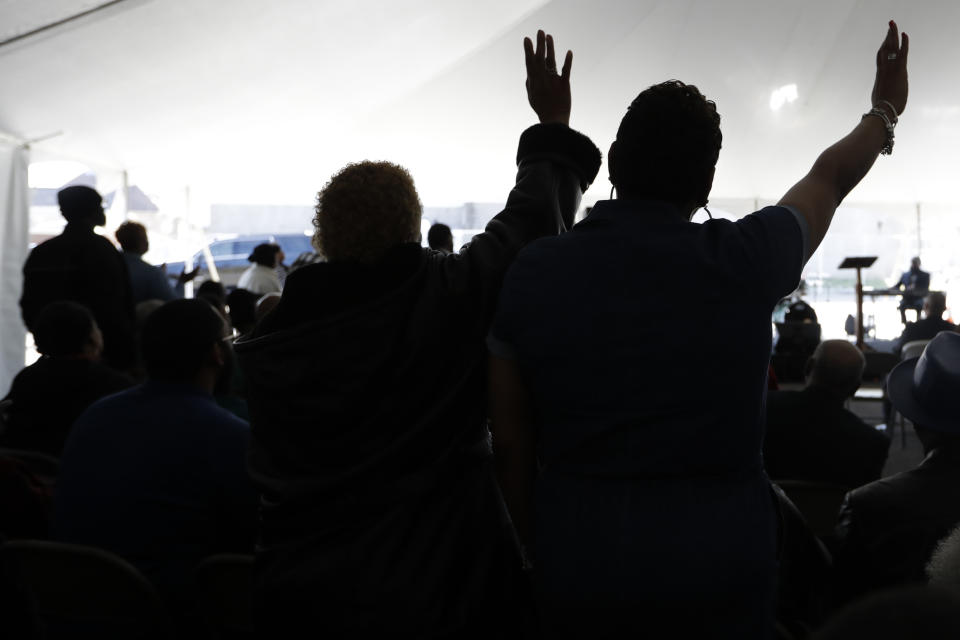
643, 498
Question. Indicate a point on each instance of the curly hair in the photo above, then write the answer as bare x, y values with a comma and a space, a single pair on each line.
667, 144
364, 210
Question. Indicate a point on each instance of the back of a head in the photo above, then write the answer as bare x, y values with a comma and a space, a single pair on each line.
800, 311
265, 254
667, 145
837, 366
132, 237
365, 210
242, 306
936, 304
80, 203
213, 292
440, 237
177, 337
63, 329
924, 612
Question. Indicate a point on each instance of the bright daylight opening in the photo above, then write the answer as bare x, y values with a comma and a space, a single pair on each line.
785, 94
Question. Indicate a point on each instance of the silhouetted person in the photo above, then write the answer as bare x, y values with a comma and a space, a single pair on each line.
440, 238
214, 293
381, 513
84, 267
888, 529
811, 436
645, 503
157, 473
914, 284
147, 281
241, 306
51, 393
261, 277
797, 338
929, 324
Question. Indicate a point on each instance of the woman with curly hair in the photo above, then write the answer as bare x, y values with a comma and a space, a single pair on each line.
381, 513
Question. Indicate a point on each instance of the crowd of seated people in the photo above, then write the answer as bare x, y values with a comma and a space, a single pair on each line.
600, 499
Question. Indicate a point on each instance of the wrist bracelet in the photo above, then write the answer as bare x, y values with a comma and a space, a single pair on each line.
893, 110
880, 113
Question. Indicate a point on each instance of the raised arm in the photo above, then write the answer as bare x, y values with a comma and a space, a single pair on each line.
555, 164
838, 169
547, 91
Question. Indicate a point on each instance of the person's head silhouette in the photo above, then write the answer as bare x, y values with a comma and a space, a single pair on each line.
440, 237
81, 205
132, 237
365, 210
667, 147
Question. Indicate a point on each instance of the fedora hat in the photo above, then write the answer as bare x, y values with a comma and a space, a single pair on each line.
926, 390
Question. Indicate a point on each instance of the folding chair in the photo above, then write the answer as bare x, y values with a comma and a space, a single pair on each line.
224, 585
86, 589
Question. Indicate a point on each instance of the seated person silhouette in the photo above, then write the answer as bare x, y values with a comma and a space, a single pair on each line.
157, 473
797, 338
242, 310
51, 393
929, 324
84, 267
888, 529
811, 436
440, 238
381, 514
914, 284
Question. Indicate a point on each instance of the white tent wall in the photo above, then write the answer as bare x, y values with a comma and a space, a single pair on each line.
14, 224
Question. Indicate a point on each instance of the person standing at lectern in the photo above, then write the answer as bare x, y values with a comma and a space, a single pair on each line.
915, 284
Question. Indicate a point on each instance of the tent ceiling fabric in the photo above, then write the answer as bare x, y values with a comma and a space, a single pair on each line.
261, 102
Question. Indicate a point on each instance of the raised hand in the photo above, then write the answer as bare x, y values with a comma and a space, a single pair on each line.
890, 85
547, 91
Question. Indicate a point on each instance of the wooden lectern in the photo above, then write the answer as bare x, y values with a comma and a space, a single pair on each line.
858, 264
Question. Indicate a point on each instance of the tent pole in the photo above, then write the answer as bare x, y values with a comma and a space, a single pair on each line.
126, 195
919, 241
58, 23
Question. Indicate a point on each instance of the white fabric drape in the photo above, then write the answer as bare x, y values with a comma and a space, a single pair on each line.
14, 240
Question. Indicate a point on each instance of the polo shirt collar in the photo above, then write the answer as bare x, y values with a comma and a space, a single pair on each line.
636, 211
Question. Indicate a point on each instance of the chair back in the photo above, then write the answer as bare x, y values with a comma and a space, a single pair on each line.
819, 503
913, 349
75, 584
224, 586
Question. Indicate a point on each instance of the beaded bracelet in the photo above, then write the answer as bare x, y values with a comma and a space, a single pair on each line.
880, 113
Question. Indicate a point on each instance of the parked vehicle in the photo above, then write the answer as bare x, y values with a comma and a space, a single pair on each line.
230, 255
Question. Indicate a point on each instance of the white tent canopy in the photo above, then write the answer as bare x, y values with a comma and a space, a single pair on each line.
244, 101
261, 102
